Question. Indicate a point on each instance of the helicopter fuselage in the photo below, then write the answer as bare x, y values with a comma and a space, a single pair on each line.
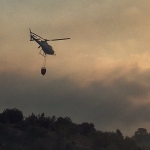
47, 49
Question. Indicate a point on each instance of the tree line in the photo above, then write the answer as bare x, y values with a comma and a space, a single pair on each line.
60, 133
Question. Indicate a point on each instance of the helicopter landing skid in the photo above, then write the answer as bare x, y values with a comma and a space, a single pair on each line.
43, 54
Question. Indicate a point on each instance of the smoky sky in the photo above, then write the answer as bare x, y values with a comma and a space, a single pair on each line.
101, 75
108, 105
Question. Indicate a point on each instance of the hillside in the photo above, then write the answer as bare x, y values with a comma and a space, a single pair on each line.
51, 133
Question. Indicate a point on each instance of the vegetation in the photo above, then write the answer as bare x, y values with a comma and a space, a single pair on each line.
51, 133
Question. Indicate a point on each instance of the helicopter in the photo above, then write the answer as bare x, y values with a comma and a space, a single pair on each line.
45, 47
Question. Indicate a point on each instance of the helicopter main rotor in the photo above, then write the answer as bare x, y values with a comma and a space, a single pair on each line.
47, 39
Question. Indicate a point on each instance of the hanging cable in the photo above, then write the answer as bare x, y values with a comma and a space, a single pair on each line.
44, 62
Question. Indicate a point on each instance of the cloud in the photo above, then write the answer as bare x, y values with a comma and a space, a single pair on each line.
101, 75
108, 103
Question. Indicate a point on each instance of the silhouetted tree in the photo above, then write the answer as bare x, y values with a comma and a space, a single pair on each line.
141, 131
11, 116
142, 138
41, 120
119, 134
129, 144
62, 134
65, 127
31, 119
140, 135
86, 128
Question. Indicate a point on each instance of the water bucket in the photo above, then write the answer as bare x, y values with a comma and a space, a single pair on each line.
43, 71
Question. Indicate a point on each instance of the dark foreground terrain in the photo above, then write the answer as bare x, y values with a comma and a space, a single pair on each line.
51, 133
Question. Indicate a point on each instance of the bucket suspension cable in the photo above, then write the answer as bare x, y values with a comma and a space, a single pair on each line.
44, 62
